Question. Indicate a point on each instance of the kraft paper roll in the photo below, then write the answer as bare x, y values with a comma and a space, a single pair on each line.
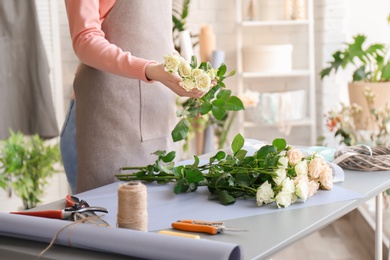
132, 206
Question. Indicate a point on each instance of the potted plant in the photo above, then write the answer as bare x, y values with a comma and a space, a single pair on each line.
26, 162
371, 71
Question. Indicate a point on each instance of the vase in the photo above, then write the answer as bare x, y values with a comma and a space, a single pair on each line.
381, 90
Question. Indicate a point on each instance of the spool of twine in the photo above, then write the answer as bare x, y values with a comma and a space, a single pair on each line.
132, 206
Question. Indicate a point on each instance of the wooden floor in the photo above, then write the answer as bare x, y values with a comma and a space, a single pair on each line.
348, 238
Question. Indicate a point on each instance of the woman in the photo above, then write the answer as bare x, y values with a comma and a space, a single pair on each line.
125, 99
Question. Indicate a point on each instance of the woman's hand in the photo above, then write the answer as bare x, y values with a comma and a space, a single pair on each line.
156, 72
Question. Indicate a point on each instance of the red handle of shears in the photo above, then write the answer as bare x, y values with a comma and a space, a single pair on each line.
57, 214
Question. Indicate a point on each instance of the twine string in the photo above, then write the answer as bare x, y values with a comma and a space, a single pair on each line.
132, 206
77, 219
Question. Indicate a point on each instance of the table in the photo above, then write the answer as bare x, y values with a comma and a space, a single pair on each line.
268, 233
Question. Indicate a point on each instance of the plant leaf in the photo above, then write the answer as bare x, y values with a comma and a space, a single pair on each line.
180, 131
238, 143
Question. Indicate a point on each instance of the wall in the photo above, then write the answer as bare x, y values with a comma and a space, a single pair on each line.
335, 20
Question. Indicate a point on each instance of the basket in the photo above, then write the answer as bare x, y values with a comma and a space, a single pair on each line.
363, 158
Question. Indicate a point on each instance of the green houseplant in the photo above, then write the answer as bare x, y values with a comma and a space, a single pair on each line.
25, 165
371, 70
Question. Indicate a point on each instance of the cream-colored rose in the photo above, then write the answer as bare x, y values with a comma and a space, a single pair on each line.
264, 194
288, 185
302, 189
316, 166
212, 73
283, 199
188, 84
326, 178
196, 72
203, 82
294, 156
283, 162
171, 63
280, 175
301, 168
303, 177
313, 187
184, 68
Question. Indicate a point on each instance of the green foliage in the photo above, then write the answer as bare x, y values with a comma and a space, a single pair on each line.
180, 10
216, 102
227, 176
370, 62
26, 163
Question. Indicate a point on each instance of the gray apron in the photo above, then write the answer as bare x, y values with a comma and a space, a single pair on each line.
121, 121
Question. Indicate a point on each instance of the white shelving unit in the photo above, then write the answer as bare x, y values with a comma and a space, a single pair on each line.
298, 33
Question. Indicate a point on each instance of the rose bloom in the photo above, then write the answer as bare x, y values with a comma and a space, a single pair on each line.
188, 84
316, 166
313, 187
288, 185
302, 189
303, 177
196, 72
326, 178
264, 194
184, 68
283, 162
203, 82
301, 168
212, 73
171, 63
284, 199
294, 156
280, 176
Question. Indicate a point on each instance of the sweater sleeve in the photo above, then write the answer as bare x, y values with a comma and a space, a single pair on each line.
91, 46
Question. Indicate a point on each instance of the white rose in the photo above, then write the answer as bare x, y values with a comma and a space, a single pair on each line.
301, 168
283, 162
212, 73
288, 185
302, 189
203, 82
294, 156
184, 68
188, 84
265, 194
283, 199
171, 63
196, 72
280, 176
326, 178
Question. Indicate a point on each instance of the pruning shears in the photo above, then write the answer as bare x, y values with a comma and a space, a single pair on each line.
73, 206
203, 226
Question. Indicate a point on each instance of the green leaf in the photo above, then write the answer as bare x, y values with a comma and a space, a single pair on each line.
181, 186
219, 156
205, 108
180, 131
241, 154
386, 72
265, 150
169, 157
224, 94
195, 175
233, 103
218, 112
225, 198
279, 143
238, 143
360, 74
221, 70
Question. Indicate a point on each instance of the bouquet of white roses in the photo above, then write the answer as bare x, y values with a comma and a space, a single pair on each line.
275, 173
217, 100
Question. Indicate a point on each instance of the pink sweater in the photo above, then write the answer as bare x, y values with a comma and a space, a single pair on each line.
90, 45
